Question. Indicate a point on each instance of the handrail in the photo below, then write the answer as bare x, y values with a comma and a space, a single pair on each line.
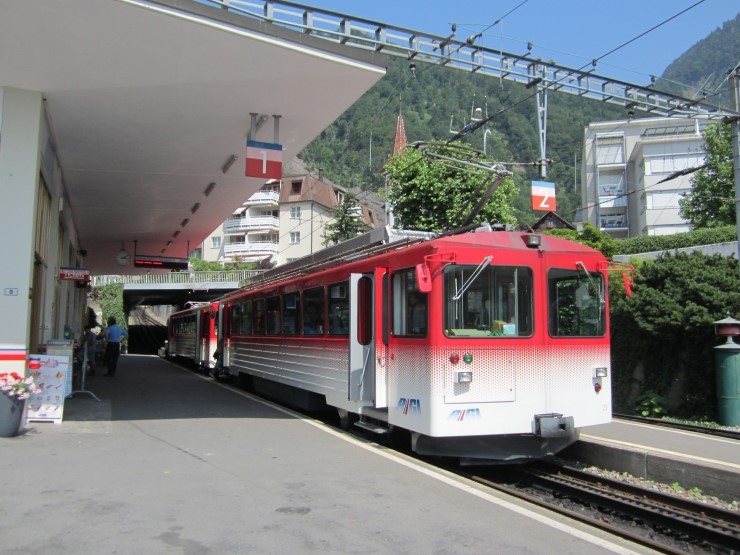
230, 276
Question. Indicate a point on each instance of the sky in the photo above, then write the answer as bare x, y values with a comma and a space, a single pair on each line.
569, 32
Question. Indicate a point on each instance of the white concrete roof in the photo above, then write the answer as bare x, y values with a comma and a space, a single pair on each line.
147, 101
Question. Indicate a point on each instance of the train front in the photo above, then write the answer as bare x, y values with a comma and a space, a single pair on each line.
515, 357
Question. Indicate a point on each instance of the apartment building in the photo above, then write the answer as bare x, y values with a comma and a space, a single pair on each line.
283, 221
627, 174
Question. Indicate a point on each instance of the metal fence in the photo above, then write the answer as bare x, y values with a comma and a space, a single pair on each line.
233, 276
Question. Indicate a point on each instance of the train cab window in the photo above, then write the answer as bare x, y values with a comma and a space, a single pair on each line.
488, 301
576, 303
313, 311
258, 317
290, 314
409, 305
339, 309
272, 309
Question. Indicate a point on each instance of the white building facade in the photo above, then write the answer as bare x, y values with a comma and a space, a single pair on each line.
625, 165
282, 222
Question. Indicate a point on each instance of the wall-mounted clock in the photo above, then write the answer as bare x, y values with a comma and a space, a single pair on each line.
122, 258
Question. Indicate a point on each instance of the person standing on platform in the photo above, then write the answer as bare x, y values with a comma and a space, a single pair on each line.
89, 340
113, 336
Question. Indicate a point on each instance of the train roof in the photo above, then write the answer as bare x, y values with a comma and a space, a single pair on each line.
386, 240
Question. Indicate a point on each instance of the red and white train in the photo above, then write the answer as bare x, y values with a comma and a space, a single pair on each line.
486, 345
192, 333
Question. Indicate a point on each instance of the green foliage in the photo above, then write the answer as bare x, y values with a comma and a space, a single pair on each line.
199, 265
110, 298
346, 224
650, 405
431, 194
663, 336
652, 243
590, 236
711, 202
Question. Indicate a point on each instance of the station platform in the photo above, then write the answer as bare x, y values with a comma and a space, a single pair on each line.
168, 461
690, 459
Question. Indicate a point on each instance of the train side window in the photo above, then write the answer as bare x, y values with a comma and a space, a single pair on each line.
576, 304
409, 305
339, 309
258, 317
290, 314
365, 311
313, 311
235, 319
247, 318
273, 316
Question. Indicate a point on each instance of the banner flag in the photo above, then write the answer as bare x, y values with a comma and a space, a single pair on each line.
543, 196
264, 160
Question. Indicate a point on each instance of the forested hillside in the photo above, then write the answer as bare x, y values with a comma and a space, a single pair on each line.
703, 68
353, 150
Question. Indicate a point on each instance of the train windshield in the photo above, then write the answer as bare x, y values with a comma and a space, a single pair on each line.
577, 307
488, 301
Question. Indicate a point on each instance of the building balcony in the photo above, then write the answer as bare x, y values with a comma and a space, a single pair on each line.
613, 201
611, 222
250, 249
239, 226
263, 198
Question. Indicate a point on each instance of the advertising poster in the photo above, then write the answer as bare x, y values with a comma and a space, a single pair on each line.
51, 377
63, 347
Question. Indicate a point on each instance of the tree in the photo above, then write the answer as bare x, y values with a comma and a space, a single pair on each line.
711, 201
433, 188
347, 223
590, 236
663, 335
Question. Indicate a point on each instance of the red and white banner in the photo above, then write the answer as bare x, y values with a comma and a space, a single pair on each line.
543, 196
264, 160
74, 274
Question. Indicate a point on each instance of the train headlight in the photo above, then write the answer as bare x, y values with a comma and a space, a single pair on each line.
463, 376
600, 372
454, 358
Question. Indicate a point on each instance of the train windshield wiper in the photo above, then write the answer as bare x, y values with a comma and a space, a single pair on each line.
486, 261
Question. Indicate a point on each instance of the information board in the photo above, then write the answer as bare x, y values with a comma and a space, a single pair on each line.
63, 347
51, 377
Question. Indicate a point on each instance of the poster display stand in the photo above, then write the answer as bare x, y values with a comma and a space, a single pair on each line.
51, 377
82, 380
63, 347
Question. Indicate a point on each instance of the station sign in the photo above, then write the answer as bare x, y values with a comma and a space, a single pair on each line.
543, 196
264, 160
74, 274
160, 262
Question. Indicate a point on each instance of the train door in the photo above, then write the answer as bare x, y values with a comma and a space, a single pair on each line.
204, 333
361, 369
224, 333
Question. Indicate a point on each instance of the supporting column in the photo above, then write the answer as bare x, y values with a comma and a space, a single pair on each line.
20, 131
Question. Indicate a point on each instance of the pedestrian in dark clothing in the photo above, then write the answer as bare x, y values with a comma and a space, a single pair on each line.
113, 336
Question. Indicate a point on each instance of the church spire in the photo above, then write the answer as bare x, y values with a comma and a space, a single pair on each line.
399, 141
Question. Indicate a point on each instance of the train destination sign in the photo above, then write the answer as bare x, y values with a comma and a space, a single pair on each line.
160, 262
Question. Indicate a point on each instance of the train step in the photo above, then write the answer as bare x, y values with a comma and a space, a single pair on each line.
370, 427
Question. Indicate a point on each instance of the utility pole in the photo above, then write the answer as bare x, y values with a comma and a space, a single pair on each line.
734, 82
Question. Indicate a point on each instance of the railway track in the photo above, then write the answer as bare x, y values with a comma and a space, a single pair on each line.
718, 432
667, 523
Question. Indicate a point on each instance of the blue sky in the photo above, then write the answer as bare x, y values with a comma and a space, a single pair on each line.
570, 32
